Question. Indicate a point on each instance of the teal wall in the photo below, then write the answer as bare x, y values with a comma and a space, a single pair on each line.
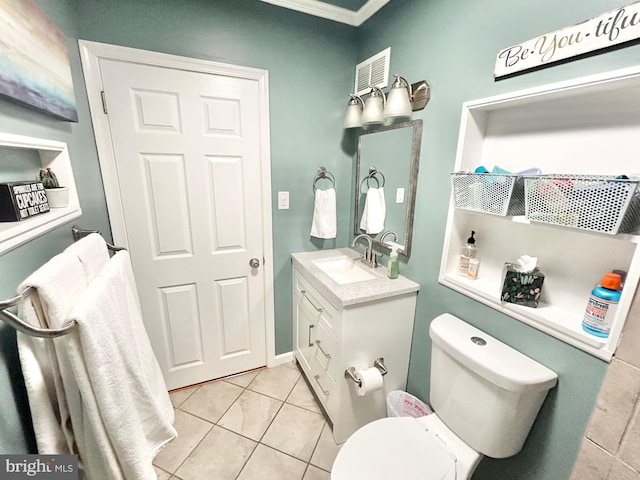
16, 435
453, 44
311, 63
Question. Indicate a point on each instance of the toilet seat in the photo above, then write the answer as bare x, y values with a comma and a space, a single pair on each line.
395, 448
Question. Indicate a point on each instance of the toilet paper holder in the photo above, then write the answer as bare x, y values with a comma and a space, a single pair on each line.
350, 373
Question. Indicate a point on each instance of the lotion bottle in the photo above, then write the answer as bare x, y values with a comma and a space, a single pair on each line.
470, 250
392, 266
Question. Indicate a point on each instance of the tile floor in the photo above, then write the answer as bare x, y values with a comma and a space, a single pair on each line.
261, 425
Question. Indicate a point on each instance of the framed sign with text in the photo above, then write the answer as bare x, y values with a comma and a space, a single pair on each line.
607, 30
21, 200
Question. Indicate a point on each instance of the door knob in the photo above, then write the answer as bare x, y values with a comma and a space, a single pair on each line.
254, 263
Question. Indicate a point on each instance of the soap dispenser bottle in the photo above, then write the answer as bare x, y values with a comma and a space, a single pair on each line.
468, 251
392, 266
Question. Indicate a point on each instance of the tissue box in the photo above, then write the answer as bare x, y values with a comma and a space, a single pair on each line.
522, 288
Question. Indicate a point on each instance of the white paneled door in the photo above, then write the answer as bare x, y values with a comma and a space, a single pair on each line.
187, 156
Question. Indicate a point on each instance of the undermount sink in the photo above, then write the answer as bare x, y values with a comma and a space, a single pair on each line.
343, 270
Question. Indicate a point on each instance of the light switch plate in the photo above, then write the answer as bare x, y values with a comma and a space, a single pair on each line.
283, 200
400, 195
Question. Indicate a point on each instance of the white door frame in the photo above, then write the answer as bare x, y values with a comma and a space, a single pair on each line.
91, 53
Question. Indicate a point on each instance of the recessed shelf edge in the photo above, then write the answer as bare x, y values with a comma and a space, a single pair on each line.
570, 335
52, 154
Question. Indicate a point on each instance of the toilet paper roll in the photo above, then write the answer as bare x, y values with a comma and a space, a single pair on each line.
371, 380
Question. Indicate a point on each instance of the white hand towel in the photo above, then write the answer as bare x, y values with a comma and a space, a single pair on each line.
323, 224
374, 212
58, 284
93, 254
126, 406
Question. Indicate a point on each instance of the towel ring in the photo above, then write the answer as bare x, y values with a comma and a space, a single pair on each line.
373, 171
323, 173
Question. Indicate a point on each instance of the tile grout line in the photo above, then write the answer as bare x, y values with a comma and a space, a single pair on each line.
307, 463
260, 440
213, 424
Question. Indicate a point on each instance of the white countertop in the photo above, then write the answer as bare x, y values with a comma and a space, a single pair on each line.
351, 293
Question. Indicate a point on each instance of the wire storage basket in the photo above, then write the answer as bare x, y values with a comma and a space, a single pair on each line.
596, 203
498, 194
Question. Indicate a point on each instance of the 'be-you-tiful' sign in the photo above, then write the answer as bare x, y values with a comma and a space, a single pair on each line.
606, 30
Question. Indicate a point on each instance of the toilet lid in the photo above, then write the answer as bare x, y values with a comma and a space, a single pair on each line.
394, 448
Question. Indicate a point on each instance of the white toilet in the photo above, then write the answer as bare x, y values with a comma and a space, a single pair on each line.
485, 395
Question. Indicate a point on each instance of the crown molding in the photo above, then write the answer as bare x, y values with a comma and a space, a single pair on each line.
332, 12
368, 10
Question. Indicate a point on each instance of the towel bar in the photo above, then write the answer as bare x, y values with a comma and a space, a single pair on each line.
16, 322
79, 233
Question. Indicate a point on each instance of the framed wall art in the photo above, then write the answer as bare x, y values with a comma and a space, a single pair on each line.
34, 61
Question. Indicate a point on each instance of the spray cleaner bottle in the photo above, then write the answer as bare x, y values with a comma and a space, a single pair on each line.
392, 266
602, 306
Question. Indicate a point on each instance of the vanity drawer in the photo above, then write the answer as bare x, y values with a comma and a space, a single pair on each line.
326, 346
304, 290
321, 380
309, 308
305, 326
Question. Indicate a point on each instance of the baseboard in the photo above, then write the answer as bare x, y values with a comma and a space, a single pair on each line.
280, 359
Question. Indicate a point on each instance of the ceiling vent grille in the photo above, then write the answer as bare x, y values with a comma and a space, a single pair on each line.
373, 71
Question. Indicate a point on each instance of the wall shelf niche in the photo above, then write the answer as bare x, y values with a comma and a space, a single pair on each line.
52, 154
587, 126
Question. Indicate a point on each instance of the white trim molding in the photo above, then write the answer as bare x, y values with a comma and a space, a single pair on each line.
332, 12
281, 359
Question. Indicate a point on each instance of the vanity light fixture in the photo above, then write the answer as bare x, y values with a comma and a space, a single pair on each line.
374, 107
354, 112
403, 99
399, 99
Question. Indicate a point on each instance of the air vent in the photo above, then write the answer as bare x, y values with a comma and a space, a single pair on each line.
373, 71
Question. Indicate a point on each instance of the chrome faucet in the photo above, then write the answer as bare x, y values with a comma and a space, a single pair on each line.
389, 232
369, 256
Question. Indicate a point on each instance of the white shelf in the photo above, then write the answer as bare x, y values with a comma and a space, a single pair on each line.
587, 126
633, 237
555, 321
52, 154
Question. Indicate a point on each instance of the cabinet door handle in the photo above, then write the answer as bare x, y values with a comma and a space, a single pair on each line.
310, 342
326, 355
304, 294
317, 377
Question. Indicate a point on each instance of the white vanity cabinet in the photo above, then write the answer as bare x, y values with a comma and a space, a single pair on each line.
585, 127
350, 325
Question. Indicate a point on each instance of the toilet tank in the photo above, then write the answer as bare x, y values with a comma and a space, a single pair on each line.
485, 391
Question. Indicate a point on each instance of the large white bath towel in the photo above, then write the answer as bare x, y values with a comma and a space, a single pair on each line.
375, 210
93, 254
126, 406
58, 284
323, 224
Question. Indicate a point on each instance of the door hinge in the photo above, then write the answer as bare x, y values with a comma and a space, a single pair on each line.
104, 102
